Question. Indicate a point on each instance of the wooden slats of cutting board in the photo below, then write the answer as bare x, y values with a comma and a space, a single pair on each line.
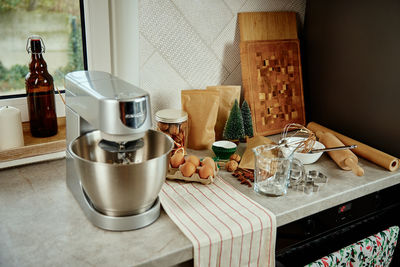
272, 81
256, 26
271, 70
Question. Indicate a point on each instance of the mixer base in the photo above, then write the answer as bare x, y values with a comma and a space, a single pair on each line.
106, 222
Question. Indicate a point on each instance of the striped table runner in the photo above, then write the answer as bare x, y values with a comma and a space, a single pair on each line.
226, 227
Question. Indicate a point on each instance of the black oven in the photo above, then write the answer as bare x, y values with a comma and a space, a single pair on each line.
308, 239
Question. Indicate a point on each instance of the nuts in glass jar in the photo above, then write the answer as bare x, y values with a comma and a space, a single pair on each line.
173, 123
163, 126
173, 129
179, 137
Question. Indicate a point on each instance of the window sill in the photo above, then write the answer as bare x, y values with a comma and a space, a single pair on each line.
20, 103
36, 149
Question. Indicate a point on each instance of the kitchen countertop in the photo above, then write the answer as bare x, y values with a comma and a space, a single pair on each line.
42, 225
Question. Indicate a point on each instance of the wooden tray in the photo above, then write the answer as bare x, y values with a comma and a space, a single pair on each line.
272, 84
36, 146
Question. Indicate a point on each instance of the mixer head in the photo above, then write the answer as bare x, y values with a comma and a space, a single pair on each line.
123, 111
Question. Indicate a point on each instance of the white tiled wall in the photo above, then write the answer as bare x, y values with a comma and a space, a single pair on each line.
189, 44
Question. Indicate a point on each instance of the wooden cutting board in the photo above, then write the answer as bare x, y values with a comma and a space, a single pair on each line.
272, 82
271, 70
256, 26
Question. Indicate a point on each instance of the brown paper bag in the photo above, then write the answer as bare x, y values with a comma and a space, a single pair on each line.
248, 159
202, 109
227, 96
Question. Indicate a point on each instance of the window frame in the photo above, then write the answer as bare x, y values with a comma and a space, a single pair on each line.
101, 21
108, 45
19, 100
112, 37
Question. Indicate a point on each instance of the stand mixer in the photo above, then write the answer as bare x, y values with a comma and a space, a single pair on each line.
116, 165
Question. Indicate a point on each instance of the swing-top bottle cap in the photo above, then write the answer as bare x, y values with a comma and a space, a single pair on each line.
35, 45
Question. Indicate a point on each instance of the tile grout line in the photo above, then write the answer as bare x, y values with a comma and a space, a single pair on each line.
234, 16
237, 23
230, 9
218, 35
202, 40
233, 40
152, 53
234, 69
168, 63
245, 2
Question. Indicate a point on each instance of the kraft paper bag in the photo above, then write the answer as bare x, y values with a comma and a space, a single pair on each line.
248, 159
227, 96
202, 109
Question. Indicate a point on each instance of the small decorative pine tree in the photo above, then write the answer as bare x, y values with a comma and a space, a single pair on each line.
234, 129
247, 122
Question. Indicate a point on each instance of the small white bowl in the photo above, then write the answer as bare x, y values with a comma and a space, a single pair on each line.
305, 158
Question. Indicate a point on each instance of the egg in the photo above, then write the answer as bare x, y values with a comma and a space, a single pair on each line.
187, 169
205, 171
208, 161
193, 159
177, 159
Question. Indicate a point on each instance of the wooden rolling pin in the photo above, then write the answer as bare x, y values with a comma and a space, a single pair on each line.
345, 159
374, 155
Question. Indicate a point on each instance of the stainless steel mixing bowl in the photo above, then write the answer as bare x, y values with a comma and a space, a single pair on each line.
122, 189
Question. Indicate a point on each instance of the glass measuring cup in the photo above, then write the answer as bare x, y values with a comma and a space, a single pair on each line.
273, 170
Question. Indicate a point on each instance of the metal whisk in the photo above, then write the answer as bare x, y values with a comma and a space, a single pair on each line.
303, 145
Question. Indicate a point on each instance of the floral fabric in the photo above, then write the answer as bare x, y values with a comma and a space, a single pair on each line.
375, 250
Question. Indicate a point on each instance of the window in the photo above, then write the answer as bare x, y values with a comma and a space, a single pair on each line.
58, 22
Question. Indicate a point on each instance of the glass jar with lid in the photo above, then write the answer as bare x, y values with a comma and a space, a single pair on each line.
173, 122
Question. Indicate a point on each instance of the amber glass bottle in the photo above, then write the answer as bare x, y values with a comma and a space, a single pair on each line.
40, 92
